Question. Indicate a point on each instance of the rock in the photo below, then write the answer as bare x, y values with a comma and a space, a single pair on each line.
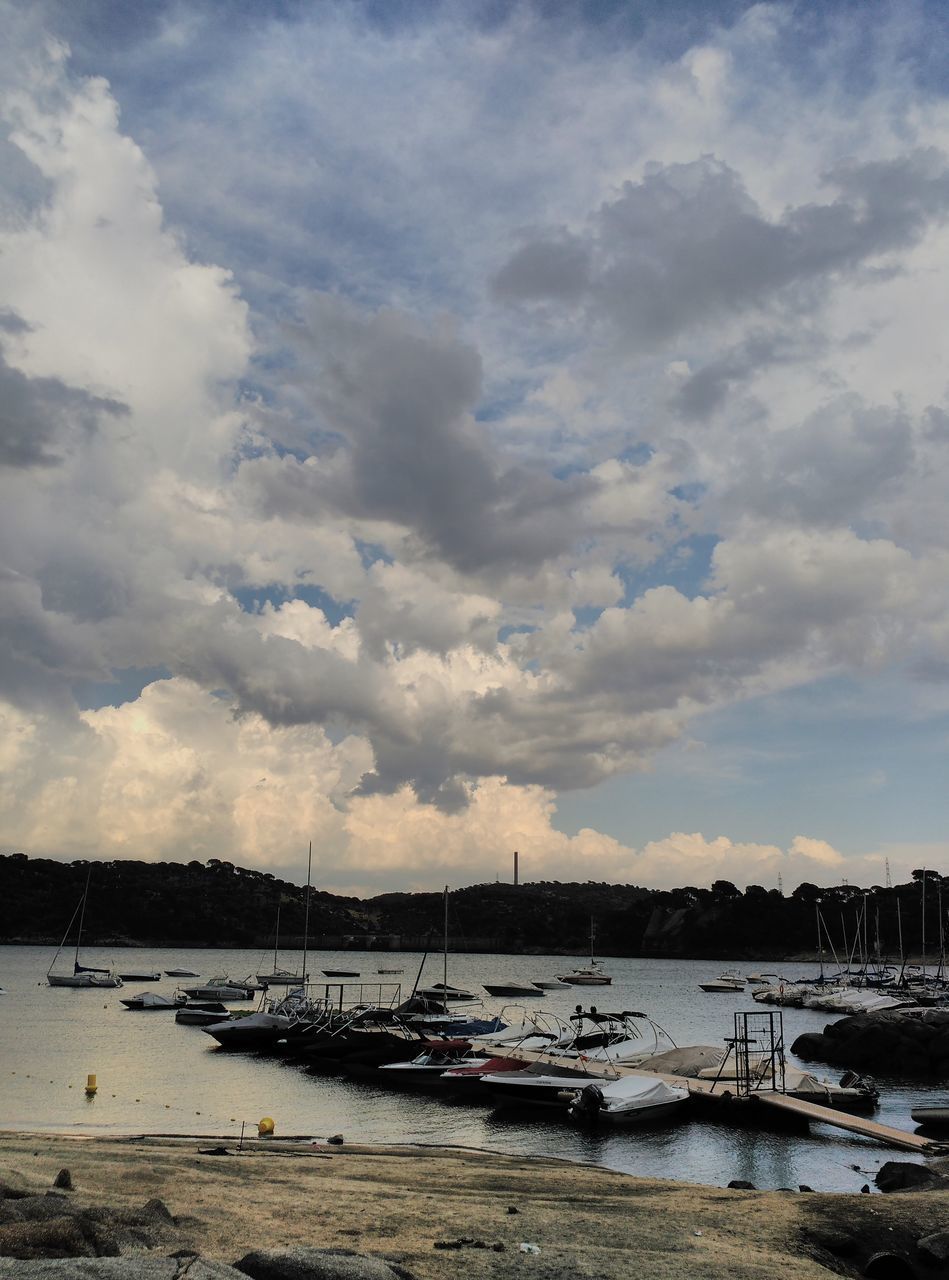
336, 1140
44, 1208
934, 1248
139, 1267
155, 1211
903, 1175
63, 1180
804, 1187
12, 1193
316, 1264
60, 1237
739, 1184
836, 1242
865, 1189
512, 1209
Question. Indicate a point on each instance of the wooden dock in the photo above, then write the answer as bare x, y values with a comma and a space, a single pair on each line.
725, 1090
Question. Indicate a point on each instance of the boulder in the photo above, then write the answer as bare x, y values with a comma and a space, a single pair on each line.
306, 1263
903, 1175
739, 1184
138, 1267
63, 1180
934, 1248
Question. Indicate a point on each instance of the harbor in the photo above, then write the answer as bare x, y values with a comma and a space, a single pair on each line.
155, 1076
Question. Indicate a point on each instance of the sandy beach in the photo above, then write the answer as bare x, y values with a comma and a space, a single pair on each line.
406, 1204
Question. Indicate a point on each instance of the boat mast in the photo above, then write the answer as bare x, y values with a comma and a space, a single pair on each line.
82, 916
306, 911
922, 903
445, 945
276, 938
820, 941
72, 919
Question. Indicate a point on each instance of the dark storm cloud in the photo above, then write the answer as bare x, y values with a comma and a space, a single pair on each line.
689, 244
401, 400
38, 415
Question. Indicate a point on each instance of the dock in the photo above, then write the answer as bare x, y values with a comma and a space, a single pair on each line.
725, 1091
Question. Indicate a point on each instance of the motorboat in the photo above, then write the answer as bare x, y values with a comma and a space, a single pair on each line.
730, 980
340, 973
538, 1085
630, 1100
201, 1014
514, 990
554, 985
390, 971
181, 973
151, 1000
219, 989
445, 992
425, 1070
151, 976
934, 1115
591, 976
262, 1030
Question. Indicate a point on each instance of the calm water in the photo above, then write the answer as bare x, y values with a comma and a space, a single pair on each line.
157, 1077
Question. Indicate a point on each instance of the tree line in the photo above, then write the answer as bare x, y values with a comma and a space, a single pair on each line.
218, 904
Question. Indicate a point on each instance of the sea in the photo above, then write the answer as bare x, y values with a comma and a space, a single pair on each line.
155, 1076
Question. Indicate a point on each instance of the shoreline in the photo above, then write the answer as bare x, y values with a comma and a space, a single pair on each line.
400, 1202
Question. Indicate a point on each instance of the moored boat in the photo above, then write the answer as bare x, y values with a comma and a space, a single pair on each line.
514, 990
631, 1100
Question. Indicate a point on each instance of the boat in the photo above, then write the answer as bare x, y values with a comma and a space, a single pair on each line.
730, 980
591, 975
538, 1085
82, 976
201, 1015
390, 971
446, 992
934, 1115
150, 1000
554, 985
340, 973
181, 973
138, 976
516, 990
280, 977
425, 1070
219, 989
631, 1100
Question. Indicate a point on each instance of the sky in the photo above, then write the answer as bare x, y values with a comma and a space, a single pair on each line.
437, 429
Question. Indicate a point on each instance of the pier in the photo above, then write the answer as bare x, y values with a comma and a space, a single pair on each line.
725, 1092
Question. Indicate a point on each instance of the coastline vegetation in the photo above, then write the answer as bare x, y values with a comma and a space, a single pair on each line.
218, 904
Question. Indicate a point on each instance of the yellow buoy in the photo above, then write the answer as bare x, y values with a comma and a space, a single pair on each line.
265, 1128
91, 1085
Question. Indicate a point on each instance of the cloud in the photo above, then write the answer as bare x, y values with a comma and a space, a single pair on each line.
39, 416
687, 244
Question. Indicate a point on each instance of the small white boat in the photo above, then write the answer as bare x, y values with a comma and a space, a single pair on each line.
514, 990
631, 1100
82, 976
730, 980
555, 985
589, 976
282, 978
216, 990
592, 976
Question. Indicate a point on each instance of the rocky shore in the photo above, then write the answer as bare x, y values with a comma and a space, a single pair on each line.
167, 1208
913, 1043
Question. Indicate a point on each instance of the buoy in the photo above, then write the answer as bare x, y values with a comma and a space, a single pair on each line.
265, 1128
91, 1086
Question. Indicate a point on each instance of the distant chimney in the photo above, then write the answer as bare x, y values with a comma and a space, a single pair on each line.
515, 866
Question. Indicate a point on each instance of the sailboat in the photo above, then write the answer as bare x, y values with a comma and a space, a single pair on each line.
280, 977
590, 976
82, 975
442, 991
